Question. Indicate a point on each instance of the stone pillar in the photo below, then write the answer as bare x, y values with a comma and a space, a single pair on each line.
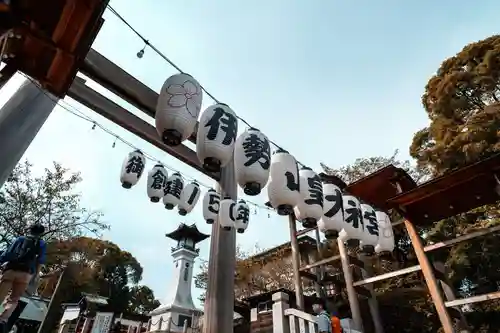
20, 120
280, 304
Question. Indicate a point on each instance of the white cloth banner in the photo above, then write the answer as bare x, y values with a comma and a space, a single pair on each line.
102, 322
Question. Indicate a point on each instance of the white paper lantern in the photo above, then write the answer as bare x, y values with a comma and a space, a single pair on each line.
216, 137
283, 188
370, 234
227, 216
178, 108
252, 160
386, 235
157, 180
310, 208
332, 221
132, 169
211, 204
189, 198
352, 231
242, 216
173, 191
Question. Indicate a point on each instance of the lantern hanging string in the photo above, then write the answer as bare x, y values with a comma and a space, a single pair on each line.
149, 44
74, 111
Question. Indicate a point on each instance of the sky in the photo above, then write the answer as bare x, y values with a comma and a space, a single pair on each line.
328, 80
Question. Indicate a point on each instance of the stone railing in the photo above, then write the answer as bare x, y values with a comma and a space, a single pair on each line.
288, 320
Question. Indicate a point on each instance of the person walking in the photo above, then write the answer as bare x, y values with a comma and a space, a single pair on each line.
23, 259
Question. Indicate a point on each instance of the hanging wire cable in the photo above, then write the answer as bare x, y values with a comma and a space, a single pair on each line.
78, 113
157, 51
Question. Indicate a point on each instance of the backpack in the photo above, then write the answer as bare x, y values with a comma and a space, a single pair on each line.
336, 327
24, 255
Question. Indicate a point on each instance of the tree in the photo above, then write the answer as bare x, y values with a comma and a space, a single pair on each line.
99, 267
50, 200
462, 102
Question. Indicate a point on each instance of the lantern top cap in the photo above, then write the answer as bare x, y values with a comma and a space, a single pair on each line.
227, 197
253, 129
223, 104
138, 151
242, 201
187, 231
176, 174
211, 190
158, 165
332, 179
281, 151
305, 168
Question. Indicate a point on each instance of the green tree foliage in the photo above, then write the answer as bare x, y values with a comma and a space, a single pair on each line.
462, 102
49, 199
99, 267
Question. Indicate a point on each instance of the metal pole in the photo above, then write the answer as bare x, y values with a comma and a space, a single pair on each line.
6, 74
20, 120
297, 281
219, 303
351, 292
430, 278
367, 272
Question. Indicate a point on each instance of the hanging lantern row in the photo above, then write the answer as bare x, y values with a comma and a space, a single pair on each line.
229, 213
177, 112
174, 193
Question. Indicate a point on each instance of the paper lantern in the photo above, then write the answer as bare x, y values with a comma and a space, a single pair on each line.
369, 238
252, 160
178, 108
332, 221
211, 204
189, 198
227, 215
132, 169
157, 180
283, 188
386, 236
173, 191
310, 208
242, 216
216, 137
352, 231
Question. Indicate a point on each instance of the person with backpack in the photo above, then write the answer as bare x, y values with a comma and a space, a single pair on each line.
22, 259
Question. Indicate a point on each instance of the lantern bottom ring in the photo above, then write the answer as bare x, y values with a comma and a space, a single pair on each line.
285, 210
352, 243
252, 188
169, 206
368, 249
240, 230
331, 234
182, 212
171, 137
385, 256
211, 164
155, 199
210, 221
226, 228
309, 222
126, 185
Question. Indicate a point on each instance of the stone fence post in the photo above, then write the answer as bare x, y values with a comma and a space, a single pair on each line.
280, 321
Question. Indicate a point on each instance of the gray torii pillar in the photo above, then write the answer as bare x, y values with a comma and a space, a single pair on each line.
20, 120
219, 303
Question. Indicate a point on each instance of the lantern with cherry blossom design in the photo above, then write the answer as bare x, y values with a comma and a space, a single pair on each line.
173, 191
216, 137
242, 216
227, 212
283, 188
178, 108
132, 169
310, 208
370, 235
211, 204
189, 198
157, 180
252, 159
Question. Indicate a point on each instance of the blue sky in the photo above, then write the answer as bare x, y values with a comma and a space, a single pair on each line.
328, 80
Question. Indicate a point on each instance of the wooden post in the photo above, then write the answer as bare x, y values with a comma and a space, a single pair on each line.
280, 304
297, 281
351, 292
430, 278
52, 315
219, 303
320, 271
367, 272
